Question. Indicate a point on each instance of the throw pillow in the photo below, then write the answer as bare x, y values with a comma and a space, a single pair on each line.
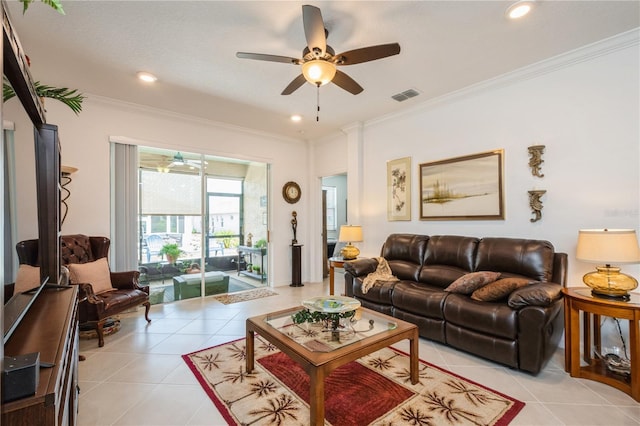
28, 278
470, 282
540, 294
95, 273
499, 289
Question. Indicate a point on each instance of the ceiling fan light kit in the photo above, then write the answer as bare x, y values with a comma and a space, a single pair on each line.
319, 61
319, 71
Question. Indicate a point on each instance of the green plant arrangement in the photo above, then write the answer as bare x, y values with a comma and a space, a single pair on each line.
330, 320
172, 251
53, 3
261, 243
69, 97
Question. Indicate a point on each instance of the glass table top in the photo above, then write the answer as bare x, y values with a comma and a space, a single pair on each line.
320, 337
634, 298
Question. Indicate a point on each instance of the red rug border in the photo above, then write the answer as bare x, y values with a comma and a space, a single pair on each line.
508, 416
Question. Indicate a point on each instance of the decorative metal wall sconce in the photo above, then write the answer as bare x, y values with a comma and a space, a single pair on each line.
536, 151
536, 204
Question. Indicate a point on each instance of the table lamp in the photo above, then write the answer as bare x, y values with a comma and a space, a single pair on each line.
350, 234
608, 246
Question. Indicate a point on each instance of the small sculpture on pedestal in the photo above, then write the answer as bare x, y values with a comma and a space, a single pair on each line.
249, 239
294, 226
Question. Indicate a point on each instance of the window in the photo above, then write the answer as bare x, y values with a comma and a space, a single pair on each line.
331, 207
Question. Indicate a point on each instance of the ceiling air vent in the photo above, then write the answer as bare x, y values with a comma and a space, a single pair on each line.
403, 96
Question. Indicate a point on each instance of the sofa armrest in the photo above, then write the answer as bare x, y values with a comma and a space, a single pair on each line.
361, 267
538, 294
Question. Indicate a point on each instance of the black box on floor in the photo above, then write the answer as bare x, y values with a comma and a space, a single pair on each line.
20, 376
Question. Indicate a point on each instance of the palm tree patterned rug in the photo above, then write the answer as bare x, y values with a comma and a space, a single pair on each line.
376, 390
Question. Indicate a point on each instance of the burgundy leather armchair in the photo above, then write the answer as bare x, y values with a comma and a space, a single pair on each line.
94, 308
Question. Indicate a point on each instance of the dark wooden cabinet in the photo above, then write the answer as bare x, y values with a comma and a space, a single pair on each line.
51, 328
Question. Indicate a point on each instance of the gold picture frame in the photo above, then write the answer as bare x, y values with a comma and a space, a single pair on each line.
463, 188
399, 189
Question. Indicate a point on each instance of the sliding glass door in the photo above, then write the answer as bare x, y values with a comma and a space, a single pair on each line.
194, 213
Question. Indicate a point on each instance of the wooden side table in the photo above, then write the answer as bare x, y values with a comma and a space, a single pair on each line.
334, 262
580, 299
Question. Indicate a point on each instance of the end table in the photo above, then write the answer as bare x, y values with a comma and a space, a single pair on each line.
578, 299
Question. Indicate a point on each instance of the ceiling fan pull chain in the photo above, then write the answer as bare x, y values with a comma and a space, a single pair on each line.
318, 102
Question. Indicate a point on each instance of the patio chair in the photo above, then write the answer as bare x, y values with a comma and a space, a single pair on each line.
154, 245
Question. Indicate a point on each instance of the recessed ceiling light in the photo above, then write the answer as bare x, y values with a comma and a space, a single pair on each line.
296, 118
519, 9
147, 77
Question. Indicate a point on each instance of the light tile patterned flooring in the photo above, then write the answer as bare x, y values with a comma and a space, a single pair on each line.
139, 378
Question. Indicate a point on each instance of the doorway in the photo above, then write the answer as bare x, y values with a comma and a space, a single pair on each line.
334, 215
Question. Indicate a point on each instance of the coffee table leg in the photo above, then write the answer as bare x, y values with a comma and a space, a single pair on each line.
249, 349
413, 354
316, 397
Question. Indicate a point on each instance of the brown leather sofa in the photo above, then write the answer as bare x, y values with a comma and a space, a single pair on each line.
94, 309
522, 330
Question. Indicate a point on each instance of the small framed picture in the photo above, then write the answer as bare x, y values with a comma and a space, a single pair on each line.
399, 189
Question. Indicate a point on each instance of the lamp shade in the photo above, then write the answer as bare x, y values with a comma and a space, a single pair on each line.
350, 234
608, 246
318, 71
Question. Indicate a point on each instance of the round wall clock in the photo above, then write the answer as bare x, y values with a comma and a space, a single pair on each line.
291, 192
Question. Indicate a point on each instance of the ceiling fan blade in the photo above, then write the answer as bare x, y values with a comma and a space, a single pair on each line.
270, 58
366, 54
314, 29
294, 85
347, 83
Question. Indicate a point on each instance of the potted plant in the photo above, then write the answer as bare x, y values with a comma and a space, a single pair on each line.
256, 269
172, 251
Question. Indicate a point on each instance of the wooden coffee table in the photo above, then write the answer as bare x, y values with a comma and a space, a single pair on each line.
319, 357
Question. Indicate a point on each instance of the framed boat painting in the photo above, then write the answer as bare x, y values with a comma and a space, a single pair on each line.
399, 189
463, 188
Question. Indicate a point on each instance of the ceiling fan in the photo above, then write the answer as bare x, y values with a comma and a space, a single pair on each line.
178, 160
319, 61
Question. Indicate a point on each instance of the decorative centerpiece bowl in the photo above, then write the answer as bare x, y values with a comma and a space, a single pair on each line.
331, 312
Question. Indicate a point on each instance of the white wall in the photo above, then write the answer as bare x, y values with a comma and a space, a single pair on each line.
85, 145
583, 106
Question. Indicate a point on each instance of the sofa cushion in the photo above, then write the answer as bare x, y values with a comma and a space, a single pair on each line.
452, 250
405, 253
95, 273
379, 293
418, 298
28, 278
470, 282
527, 258
500, 289
536, 294
491, 318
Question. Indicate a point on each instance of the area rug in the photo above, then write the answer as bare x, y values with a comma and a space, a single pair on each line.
243, 296
375, 390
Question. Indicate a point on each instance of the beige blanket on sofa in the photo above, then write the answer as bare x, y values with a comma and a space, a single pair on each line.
382, 273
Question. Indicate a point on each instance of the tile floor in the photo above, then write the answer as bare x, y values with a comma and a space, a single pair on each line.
139, 378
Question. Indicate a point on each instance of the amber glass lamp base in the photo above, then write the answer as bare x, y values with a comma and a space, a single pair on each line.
350, 252
607, 281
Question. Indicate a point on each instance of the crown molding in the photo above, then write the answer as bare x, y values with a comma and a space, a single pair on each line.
625, 40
